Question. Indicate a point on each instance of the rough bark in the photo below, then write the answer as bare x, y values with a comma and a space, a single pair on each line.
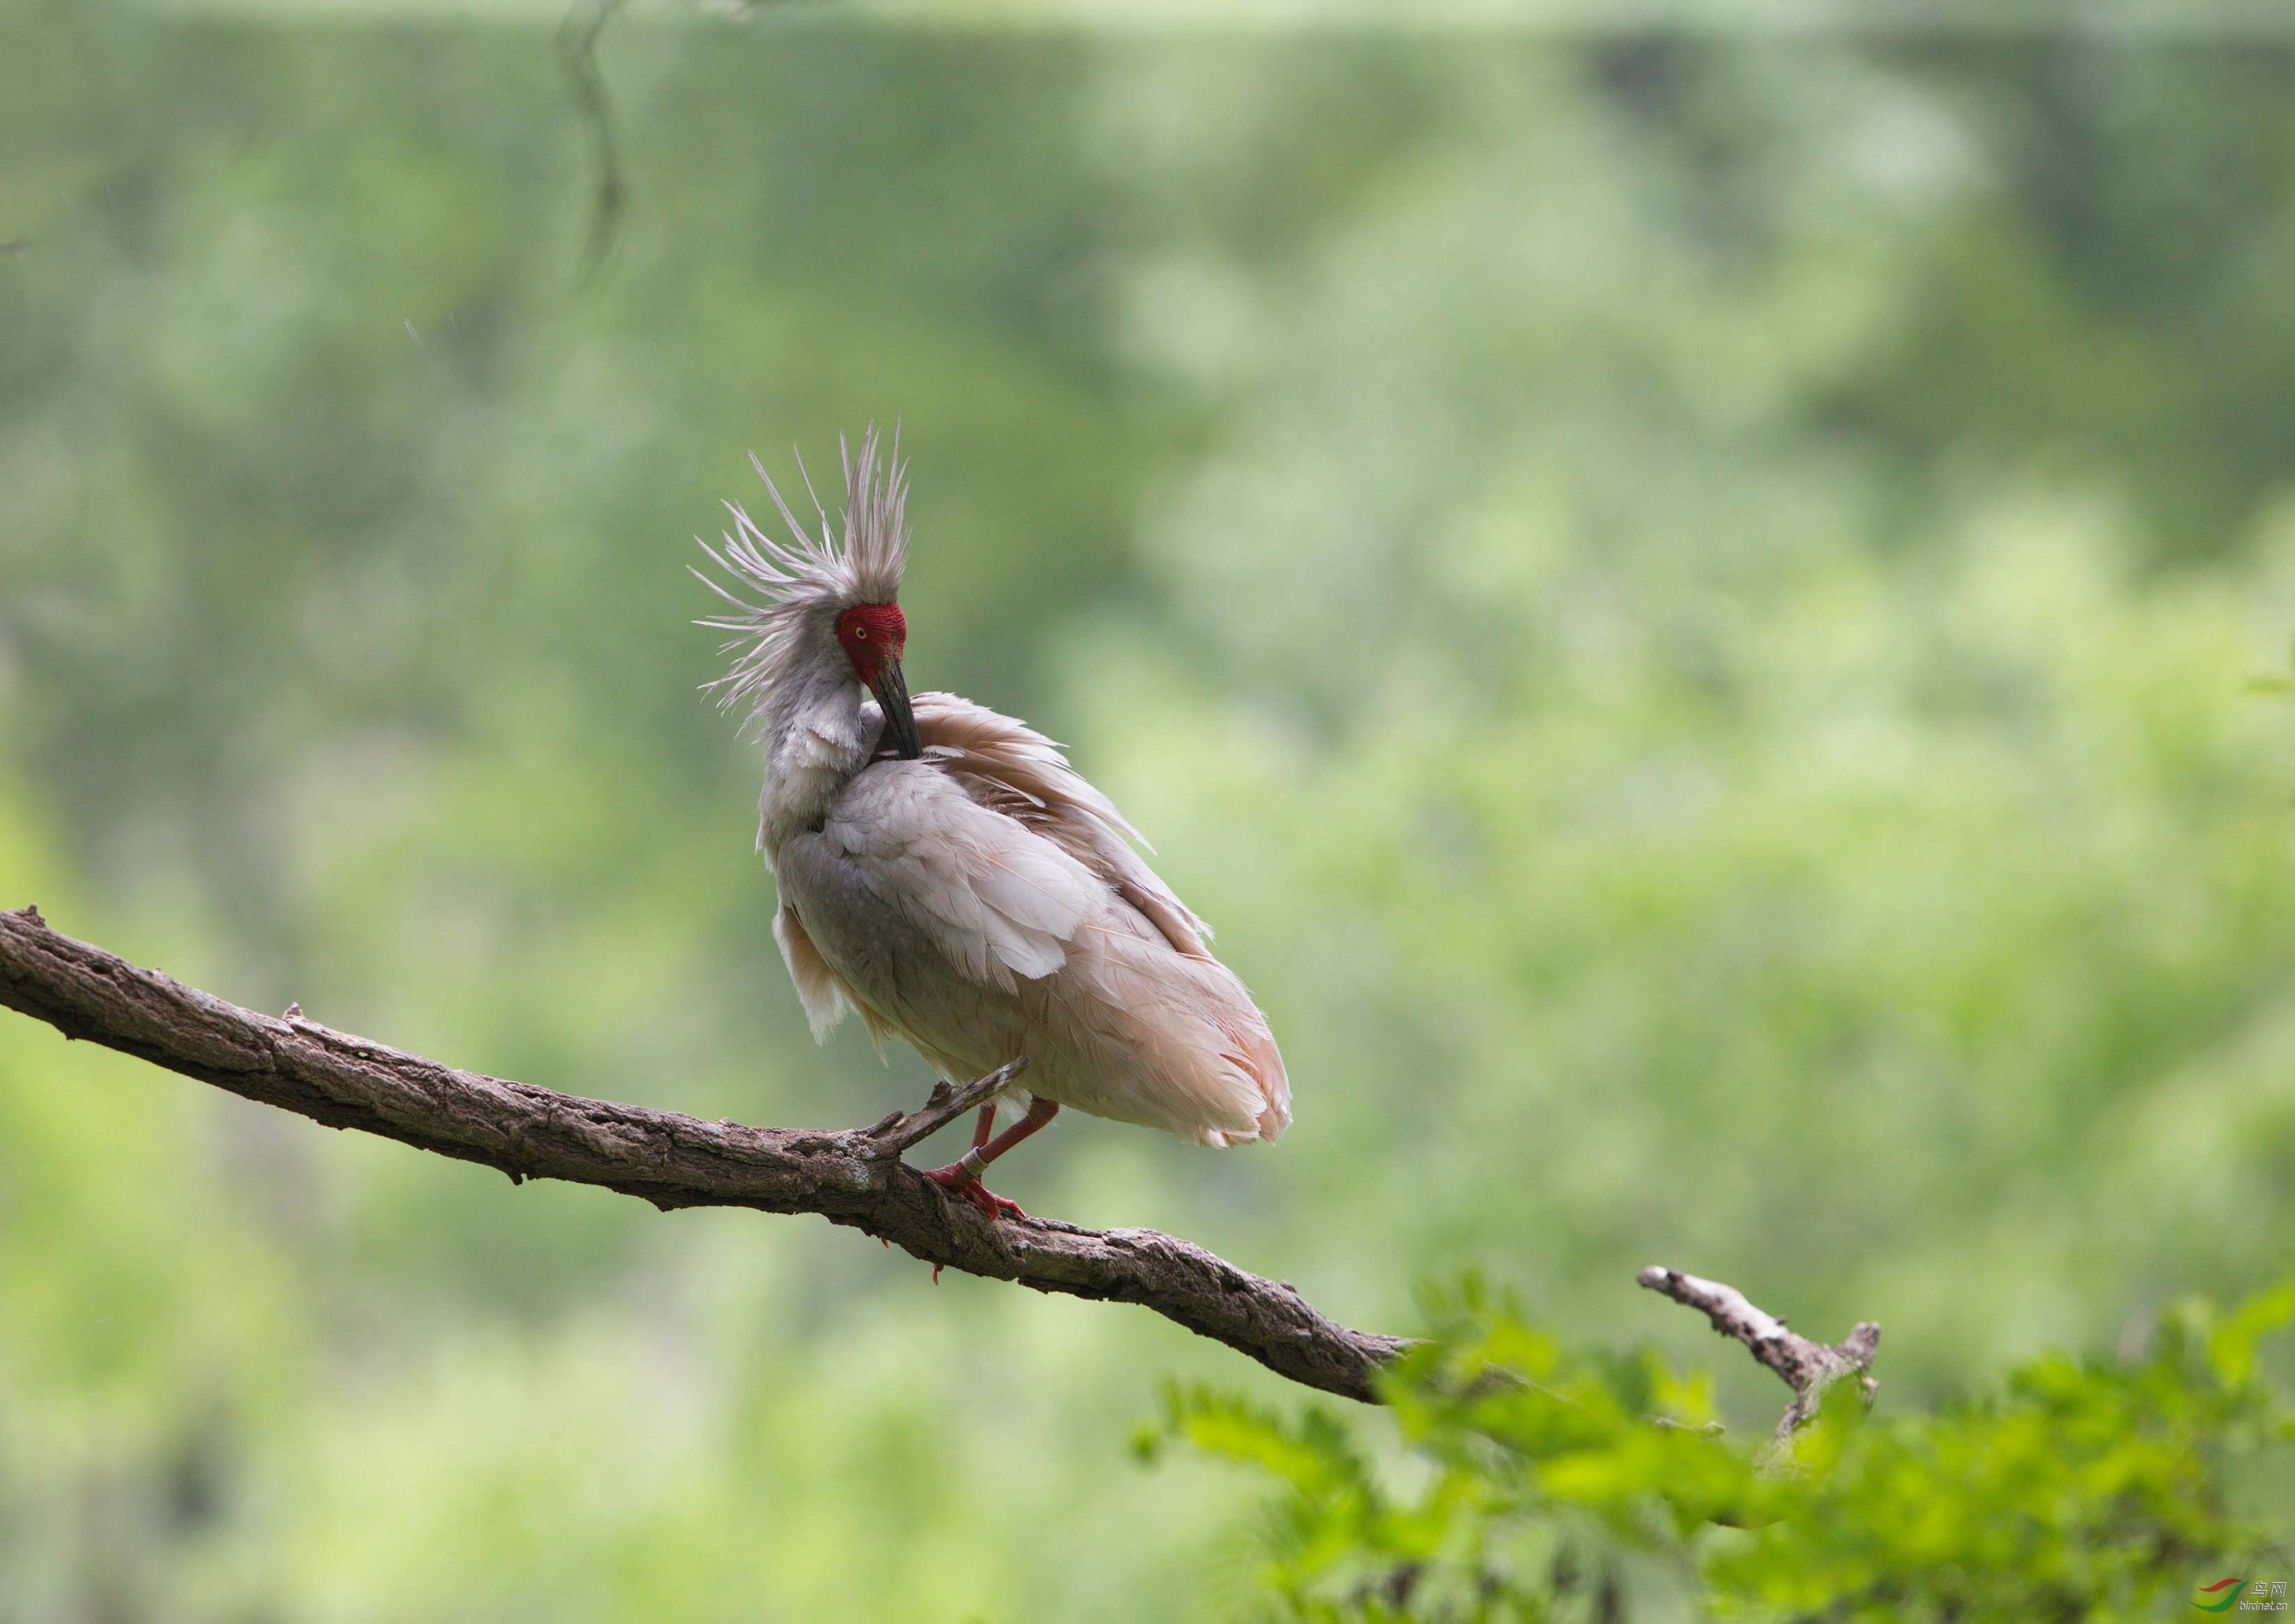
853, 1178
1808, 1367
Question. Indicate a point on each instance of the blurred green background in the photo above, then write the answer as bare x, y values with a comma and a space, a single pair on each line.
1685, 601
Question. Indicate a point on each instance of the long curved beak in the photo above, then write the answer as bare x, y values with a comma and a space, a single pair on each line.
892, 691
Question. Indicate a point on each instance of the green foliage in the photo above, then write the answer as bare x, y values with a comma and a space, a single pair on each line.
1527, 1480
1683, 602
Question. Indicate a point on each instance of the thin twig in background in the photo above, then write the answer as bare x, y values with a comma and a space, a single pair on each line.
577, 54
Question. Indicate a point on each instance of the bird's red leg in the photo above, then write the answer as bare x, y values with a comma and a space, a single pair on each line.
981, 1128
962, 1178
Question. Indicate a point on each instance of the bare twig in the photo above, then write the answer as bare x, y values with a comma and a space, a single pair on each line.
942, 1107
578, 33
1806, 1367
853, 1178
578, 55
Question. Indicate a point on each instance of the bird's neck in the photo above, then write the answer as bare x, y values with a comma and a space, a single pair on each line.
815, 743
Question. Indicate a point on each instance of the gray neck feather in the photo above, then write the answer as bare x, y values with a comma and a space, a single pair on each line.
815, 741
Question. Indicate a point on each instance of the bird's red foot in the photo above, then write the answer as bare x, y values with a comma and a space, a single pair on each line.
957, 1180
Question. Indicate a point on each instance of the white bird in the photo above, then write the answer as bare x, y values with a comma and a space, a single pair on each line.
945, 872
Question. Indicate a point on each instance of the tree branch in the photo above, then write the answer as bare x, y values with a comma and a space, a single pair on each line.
1808, 1367
853, 1178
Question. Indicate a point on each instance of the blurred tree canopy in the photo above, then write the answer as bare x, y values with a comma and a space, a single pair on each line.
1685, 602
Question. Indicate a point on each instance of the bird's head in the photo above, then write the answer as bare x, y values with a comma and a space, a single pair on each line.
872, 636
829, 608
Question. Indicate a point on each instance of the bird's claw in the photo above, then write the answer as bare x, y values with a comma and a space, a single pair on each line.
959, 1179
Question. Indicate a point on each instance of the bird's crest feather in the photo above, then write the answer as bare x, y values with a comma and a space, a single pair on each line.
793, 582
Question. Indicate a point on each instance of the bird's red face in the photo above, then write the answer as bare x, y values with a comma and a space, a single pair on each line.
872, 636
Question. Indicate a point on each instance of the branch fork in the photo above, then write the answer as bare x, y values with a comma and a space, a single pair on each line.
897, 1132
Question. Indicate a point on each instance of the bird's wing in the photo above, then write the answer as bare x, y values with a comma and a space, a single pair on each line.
1010, 767
1219, 1043
991, 895
992, 854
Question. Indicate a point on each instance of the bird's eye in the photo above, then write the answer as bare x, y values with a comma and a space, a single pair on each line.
861, 632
